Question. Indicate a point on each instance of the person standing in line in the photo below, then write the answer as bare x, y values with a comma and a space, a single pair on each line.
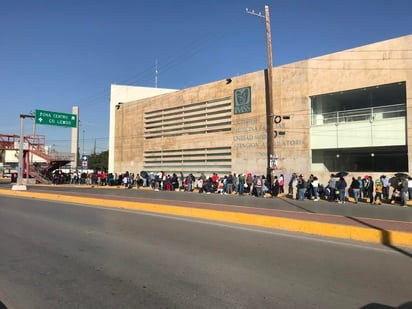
355, 186
190, 181
301, 187
181, 181
138, 181
309, 187
175, 182
368, 186
341, 187
241, 182
410, 188
125, 180
404, 191
360, 186
275, 186
378, 191
315, 186
292, 184
200, 184
265, 186
385, 189
229, 184
235, 183
281, 182
249, 182
257, 185
365, 184
332, 187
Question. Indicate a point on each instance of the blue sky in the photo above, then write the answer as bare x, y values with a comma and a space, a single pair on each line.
55, 54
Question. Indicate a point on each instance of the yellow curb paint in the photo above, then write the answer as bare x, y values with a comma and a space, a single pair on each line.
394, 238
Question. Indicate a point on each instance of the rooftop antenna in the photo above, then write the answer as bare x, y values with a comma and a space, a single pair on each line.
156, 73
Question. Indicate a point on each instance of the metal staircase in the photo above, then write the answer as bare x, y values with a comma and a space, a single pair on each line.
35, 146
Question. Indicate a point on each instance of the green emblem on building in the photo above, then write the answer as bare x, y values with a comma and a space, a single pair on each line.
243, 100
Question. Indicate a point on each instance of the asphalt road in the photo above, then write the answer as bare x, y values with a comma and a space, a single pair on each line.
56, 255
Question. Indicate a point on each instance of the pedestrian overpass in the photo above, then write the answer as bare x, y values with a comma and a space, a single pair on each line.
38, 161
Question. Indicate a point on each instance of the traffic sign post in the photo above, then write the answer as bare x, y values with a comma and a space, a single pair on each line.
56, 119
85, 161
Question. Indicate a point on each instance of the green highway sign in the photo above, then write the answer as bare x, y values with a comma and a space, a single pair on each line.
56, 119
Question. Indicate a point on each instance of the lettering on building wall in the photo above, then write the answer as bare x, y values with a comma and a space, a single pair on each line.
251, 133
289, 143
243, 100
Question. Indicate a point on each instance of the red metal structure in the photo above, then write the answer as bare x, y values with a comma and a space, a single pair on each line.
35, 145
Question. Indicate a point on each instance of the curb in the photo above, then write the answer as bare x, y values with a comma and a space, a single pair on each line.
393, 238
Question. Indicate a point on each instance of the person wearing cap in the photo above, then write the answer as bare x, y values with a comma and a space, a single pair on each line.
378, 191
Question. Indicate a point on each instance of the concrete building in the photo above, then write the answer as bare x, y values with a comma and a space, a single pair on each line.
343, 111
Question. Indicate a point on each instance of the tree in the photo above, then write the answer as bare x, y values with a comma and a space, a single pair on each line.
99, 161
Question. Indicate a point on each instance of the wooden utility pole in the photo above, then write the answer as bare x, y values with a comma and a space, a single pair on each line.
271, 136
269, 91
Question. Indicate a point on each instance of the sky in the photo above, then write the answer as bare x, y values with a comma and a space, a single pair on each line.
56, 54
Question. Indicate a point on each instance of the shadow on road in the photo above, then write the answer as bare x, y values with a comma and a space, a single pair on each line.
385, 237
294, 205
406, 305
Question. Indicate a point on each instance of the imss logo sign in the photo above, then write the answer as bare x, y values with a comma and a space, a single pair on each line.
243, 101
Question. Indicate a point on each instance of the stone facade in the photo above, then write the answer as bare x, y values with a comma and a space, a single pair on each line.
293, 85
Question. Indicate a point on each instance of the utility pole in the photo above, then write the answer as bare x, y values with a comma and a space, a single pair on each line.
19, 186
75, 139
269, 91
83, 141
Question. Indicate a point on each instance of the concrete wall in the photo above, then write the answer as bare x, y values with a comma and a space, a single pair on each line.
247, 139
124, 94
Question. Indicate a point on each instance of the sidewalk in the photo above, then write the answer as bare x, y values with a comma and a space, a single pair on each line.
376, 224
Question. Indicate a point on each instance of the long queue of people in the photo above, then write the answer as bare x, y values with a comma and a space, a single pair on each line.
337, 189
373, 191
255, 185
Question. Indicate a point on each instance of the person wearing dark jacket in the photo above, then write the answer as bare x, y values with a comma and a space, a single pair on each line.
301, 186
355, 186
368, 187
404, 192
341, 187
